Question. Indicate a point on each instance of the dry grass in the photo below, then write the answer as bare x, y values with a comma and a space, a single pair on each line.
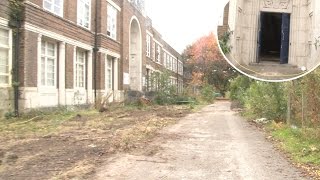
70, 144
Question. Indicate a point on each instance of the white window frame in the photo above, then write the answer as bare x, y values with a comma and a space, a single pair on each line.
154, 51
76, 70
148, 39
168, 62
9, 48
180, 68
174, 65
53, 5
158, 53
112, 18
111, 69
81, 13
55, 57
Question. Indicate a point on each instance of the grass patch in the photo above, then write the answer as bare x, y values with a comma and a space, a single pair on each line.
39, 122
302, 144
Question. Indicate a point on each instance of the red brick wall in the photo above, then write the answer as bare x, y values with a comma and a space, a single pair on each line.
107, 43
37, 2
128, 11
101, 71
4, 10
70, 10
69, 66
225, 27
50, 22
29, 68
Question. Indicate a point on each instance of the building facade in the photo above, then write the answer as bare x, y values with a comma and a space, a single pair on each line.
279, 31
76, 52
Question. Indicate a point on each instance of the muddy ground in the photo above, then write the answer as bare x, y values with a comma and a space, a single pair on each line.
80, 145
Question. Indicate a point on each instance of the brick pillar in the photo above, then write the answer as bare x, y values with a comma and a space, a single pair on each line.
90, 79
62, 73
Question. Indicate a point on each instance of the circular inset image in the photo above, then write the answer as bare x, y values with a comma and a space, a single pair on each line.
270, 40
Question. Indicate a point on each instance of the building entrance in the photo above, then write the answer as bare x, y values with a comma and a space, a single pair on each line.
273, 37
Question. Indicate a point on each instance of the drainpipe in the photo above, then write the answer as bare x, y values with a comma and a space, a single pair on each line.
15, 78
95, 52
177, 75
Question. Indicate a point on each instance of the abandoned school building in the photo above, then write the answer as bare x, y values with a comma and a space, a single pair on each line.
275, 33
73, 52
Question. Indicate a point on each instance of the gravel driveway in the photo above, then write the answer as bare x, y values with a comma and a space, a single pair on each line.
214, 143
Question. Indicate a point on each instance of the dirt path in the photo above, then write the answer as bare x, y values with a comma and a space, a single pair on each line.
212, 144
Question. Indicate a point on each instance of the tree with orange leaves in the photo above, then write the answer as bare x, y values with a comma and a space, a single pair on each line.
206, 65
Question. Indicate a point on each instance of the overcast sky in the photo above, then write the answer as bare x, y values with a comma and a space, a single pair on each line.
181, 22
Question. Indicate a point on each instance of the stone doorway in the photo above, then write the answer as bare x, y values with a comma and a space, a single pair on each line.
273, 38
135, 54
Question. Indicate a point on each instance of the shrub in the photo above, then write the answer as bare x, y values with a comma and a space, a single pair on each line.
208, 93
165, 92
238, 89
267, 100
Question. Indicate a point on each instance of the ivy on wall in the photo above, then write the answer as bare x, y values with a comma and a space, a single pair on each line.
224, 42
16, 8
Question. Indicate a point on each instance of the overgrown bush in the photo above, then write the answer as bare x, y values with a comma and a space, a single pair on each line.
267, 100
224, 42
165, 91
260, 99
238, 89
208, 93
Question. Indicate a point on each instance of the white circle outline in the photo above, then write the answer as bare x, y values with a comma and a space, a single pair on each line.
251, 76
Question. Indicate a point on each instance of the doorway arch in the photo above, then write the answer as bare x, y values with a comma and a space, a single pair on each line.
135, 55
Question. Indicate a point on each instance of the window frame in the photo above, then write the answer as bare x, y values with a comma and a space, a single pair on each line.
46, 67
174, 65
154, 51
112, 11
148, 41
52, 2
158, 53
9, 50
164, 58
76, 72
81, 15
109, 86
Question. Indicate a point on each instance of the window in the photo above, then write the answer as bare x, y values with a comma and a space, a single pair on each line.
168, 62
4, 57
174, 65
109, 73
48, 63
180, 68
84, 7
54, 6
148, 45
80, 69
158, 53
112, 22
148, 79
154, 51
164, 58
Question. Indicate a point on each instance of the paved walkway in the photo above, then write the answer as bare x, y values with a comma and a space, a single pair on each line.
212, 144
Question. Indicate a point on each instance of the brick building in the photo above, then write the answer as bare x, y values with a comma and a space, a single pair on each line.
73, 52
224, 27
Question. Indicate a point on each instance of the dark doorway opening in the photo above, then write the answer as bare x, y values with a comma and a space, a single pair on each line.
273, 40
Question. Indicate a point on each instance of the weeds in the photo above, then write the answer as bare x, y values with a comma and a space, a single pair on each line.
302, 144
